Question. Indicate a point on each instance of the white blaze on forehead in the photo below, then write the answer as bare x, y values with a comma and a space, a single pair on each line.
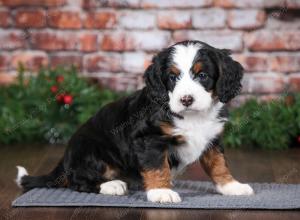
184, 56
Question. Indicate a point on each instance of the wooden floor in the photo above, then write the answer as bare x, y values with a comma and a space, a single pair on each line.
246, 165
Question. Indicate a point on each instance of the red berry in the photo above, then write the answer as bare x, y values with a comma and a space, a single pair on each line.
60, 98
298, 139
60, 79
54, 89
68, 99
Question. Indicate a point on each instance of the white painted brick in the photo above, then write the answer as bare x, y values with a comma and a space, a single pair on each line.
222, 39
134, 62
137, 20
150, 41
246, 19
209, 18
176, 3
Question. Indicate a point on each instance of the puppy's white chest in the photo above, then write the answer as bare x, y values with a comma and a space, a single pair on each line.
198, 131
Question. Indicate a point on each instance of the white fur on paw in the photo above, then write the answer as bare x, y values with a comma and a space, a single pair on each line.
235, 188
114, 187
163, 196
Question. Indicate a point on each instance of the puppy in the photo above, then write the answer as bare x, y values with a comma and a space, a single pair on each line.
147, 138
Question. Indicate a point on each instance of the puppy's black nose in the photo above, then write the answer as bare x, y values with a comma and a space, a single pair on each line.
187, 100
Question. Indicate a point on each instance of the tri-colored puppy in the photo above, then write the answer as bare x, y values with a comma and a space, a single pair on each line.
150, 136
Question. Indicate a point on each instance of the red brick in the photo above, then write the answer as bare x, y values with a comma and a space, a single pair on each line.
209, 18
100, 20
263, 83
293, 4
64, 19
253, 62
11, 40
222, 39
32, 60
117, 41
273, 40
121, 4
88, 42
285, 63
249, 3
99, 62
175, 3
4, 62
66, 59
294, 82
149, 41
174, 20
224, 3
4, 18
54, 41
148, 61
49, 3
30, 18
7, 78
91, 4
246, 19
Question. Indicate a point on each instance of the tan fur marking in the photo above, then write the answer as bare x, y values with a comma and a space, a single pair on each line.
180, 139
175, 70
158, 178
65, 182
197, 67
110, 173
168, 130
215, 166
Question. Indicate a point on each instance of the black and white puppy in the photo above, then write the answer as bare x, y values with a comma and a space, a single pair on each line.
147, 138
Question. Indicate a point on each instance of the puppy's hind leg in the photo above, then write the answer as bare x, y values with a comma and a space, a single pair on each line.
111, 185
87, 177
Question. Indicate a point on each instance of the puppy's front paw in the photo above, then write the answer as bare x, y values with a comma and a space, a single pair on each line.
114, 187
235, 188
163, 196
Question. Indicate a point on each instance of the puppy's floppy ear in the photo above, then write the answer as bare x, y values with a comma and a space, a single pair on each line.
230, 75
154, 81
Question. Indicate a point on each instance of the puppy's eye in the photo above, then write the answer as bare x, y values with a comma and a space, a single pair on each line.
173, 76
203, 76
174, 73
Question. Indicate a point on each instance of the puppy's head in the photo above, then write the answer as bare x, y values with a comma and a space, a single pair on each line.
192, 76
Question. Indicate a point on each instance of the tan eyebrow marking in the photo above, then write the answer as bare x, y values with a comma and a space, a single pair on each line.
175, 70
197, 67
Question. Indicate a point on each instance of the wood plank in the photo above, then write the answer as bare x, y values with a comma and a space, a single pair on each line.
246, 165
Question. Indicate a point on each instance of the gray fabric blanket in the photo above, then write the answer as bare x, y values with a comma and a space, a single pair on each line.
195, 195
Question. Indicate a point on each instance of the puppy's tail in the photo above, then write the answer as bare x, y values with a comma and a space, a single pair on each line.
55, 178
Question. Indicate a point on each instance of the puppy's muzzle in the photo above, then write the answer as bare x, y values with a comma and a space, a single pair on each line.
187, 100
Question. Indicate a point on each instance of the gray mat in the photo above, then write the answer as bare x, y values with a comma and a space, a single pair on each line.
200, 195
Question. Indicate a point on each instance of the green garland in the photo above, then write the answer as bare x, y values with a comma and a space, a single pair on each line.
48, 107
267, 125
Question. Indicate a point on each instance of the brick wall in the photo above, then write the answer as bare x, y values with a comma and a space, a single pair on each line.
113, 40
